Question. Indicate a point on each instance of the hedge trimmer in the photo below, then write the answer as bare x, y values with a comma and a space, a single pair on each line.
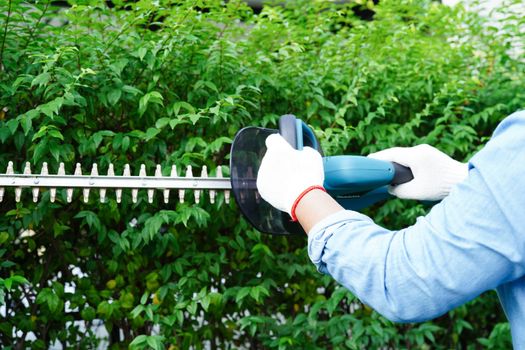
354, 181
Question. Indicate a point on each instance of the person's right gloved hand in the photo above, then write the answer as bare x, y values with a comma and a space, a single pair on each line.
434, 172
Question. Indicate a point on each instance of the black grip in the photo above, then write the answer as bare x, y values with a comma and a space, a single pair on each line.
402, 174
288, 130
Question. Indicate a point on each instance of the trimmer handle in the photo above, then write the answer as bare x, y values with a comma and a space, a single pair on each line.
402, 174
288, 129
297, 133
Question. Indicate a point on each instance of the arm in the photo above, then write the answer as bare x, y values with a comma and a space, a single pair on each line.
472, 241
459, 250
314, 207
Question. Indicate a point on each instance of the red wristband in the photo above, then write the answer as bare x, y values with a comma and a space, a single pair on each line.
304, 193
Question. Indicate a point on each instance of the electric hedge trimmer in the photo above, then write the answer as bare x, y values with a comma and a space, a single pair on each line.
354, 181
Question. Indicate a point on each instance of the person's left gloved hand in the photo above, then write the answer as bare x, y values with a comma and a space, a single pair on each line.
285, 173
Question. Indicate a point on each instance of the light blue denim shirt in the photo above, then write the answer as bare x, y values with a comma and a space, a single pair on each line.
472, 241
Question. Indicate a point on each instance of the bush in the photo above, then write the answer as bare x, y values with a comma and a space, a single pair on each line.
170, 82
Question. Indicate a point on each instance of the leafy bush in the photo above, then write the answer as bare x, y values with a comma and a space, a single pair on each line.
170, 82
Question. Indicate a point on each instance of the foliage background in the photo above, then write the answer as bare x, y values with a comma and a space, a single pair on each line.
170, 82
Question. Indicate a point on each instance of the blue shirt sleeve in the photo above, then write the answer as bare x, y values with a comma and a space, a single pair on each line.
473, 241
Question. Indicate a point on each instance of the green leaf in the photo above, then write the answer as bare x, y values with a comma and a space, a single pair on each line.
175, 109
90, 218
141, 52
131, 90
51, 108
54, 149
4, 236
162, 122
151, 97
242, 293
48, 297
192, 308
155, 342
41, 132
8, 283
4, 133
56, 134
12, 125
151, 133
205, 302
41, 79
137, 311
40, 150
19, 140
144, 298
27, 123
255, 293
140, 340
114, 96
125, 143
88, 313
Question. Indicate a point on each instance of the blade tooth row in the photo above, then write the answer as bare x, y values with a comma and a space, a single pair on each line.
118, 192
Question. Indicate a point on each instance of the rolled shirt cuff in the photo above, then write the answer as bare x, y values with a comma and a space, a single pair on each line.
324, 230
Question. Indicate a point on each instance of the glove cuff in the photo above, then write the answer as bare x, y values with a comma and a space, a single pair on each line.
452, 175
304, 193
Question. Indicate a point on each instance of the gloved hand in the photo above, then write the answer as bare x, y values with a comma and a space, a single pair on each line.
434, 172
285, 173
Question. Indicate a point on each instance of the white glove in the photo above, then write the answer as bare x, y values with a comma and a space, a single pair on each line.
285, 173
434, 172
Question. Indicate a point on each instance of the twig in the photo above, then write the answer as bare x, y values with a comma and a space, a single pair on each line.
33, 30
5, 35
122, 31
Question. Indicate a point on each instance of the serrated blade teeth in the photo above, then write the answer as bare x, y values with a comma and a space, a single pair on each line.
9, 171
36, 190
226, 192
167, 192
38, 182
151, 192
189, 173
18, 190
118, 191
69, 191
204, 175
53, 190
135, 191
127, 172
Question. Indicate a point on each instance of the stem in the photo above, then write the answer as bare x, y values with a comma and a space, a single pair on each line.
33, 30
164, 42
122, 31
5, 35
220, 65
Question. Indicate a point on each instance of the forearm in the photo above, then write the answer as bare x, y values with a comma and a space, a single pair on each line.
315, 206
354, 250
461, 249
402, 276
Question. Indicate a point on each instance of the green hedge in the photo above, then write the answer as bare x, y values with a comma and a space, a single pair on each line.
170, 82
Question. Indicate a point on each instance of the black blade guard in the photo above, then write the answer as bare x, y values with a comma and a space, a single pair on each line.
247, 152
